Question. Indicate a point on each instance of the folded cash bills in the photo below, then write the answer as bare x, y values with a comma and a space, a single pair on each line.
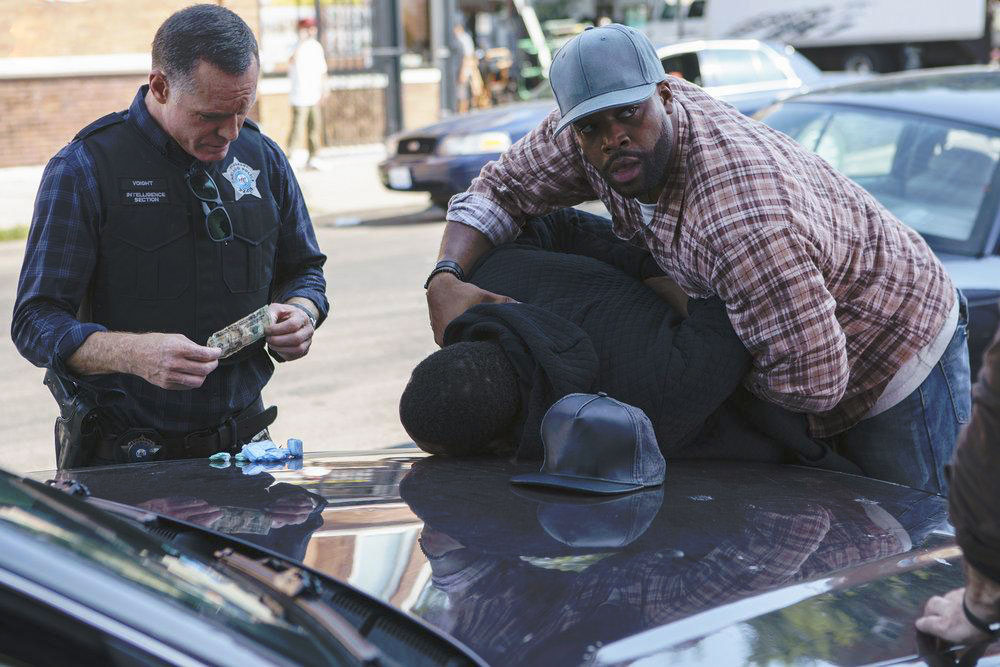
241, 333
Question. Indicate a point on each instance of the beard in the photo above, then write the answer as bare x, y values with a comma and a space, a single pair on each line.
654, 167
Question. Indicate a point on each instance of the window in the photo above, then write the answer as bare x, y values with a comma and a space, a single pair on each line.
730, 67
684, 65
932, 176
33, 633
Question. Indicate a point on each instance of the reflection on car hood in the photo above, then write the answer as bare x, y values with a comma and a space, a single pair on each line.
760, 553
518, 119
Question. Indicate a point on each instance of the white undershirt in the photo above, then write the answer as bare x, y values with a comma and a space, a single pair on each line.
647, 212
915, 370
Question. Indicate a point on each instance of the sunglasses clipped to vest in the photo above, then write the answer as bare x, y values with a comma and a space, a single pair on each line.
218, 224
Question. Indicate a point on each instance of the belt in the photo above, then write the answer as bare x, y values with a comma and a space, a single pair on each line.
136, 445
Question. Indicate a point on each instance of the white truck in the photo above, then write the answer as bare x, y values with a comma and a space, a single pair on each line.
859, 35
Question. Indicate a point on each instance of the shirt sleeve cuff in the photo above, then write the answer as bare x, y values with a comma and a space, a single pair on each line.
69, 343
484, 215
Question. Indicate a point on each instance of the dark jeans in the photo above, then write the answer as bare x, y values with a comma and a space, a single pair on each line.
911, 442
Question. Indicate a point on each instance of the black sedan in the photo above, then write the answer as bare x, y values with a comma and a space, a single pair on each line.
429, 561
926, 145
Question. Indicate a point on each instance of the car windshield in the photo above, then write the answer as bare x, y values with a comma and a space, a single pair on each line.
932, 175
155, 567
804, 68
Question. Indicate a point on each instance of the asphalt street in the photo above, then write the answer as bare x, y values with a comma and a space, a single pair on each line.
343, 395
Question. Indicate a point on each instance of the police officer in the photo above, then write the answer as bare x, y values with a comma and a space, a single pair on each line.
157, 226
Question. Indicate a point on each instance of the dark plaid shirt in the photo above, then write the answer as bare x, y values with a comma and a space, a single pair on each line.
829, 291
59, 261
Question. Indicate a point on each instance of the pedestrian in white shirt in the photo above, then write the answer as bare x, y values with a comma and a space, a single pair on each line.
307, 72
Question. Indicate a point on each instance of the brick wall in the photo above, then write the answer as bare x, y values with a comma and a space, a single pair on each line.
29, 28
39, 116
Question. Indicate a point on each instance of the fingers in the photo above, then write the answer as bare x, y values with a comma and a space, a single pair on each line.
935, 606
196, 368
183, 374
286, 319
172, 361
293, 339
194, 352
448, 297
181, 382
291, 335
932, 625
293, 345
943, 617
203, 516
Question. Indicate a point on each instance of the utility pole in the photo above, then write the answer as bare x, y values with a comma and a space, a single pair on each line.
442, 17
387, 51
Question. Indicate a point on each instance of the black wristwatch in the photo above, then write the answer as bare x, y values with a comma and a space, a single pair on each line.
446, 266
991, 629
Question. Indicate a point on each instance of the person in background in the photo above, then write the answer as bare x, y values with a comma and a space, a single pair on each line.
469, 86
307, 73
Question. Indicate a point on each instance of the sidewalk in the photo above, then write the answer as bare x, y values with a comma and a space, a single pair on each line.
341, 192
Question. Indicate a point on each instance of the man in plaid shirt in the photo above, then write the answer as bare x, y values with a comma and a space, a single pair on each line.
848, 315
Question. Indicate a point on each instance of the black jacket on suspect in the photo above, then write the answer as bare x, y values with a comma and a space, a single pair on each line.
585, 322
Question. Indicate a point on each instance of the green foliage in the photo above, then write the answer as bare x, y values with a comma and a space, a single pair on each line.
18, 233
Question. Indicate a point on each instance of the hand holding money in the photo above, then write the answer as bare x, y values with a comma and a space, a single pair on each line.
291, 334
170, 361
243, 332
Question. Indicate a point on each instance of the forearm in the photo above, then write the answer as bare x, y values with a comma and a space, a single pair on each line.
105, 352
463, 244
539, 174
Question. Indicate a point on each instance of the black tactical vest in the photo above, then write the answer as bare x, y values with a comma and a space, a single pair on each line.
158, 270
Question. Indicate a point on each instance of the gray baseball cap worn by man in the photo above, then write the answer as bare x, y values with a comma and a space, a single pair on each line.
603, 68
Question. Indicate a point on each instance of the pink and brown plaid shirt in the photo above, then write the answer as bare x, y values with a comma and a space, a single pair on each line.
829, 292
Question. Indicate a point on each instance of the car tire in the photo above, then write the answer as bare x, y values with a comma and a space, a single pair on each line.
866, 60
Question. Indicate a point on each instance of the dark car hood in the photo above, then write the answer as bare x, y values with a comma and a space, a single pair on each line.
516, 118
720, 550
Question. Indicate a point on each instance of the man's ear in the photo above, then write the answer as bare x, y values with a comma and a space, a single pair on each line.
663, 90
158, 86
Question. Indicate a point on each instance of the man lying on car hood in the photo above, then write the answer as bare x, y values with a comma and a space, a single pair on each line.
583, 321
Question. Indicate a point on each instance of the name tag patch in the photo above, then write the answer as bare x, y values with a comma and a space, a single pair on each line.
139, 191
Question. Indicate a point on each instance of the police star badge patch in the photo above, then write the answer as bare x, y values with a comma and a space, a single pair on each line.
243, 178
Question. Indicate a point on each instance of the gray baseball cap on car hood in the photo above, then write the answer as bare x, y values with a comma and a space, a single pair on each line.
602, 68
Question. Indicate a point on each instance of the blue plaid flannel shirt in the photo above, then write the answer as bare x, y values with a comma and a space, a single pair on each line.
60, 257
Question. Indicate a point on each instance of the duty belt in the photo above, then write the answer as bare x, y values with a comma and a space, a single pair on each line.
136, 445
